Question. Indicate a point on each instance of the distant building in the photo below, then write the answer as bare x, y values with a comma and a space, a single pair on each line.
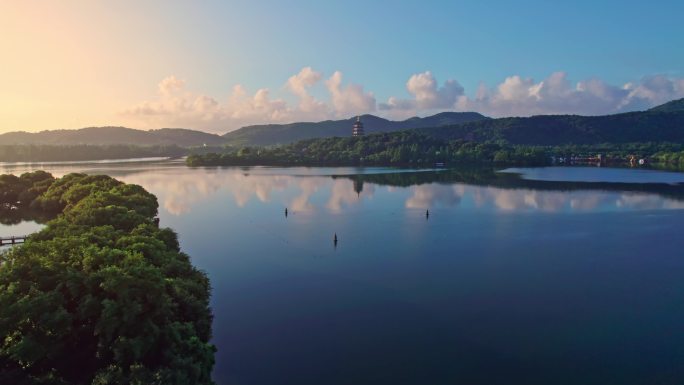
357, 129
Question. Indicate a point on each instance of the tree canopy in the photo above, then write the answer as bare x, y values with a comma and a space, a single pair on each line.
101, 295
413, 149
406, 148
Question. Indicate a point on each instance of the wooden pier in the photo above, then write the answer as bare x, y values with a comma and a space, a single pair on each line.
12, 240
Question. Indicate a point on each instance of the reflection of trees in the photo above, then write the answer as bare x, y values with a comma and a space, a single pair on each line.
471, 175
489, 177
16, 216
482, 187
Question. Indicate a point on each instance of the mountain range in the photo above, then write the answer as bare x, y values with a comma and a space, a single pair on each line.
664, 123
114, 135
261, 135
269, 134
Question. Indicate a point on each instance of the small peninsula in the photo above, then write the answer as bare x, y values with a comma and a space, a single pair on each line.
101, 295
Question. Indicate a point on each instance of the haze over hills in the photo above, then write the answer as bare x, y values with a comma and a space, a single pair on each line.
269, 134
114, 135
252, 135
664, 123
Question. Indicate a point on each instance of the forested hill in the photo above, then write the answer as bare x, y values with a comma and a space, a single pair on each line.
661, 124
251, 135
270, 134
664, 123
673, 106
114, 135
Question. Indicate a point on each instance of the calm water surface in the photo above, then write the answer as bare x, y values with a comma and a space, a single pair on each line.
507, 281
597, 174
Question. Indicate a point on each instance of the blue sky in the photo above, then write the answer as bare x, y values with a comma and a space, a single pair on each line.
96, 63
380, 43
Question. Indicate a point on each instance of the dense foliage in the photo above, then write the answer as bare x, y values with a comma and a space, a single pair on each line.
101, 295
673, 158
23, 190
410, 148
406, 148
18, 192
552, 130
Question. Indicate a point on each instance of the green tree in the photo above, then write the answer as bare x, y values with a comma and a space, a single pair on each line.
102, 295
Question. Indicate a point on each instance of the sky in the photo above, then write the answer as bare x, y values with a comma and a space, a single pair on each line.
219, 65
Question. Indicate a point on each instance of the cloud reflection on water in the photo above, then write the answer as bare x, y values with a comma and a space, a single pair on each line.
343, 192
180, 191
430, 195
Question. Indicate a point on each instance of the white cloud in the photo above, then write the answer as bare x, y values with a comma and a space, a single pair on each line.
427, 95
299, 84
518, 96
652, 90
170, 85
243, 107
349, 100
175, 106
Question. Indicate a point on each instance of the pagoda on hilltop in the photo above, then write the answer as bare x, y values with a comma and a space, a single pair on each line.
357, 128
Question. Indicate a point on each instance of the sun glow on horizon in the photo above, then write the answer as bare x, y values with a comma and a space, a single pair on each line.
83, 63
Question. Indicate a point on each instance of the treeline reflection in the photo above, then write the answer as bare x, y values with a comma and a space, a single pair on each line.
179, 192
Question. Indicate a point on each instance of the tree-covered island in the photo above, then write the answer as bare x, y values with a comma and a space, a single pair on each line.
414, 149
101, 295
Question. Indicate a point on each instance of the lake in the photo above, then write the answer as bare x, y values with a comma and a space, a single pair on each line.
558, 276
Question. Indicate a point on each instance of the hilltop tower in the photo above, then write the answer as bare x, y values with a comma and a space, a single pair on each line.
357, 128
